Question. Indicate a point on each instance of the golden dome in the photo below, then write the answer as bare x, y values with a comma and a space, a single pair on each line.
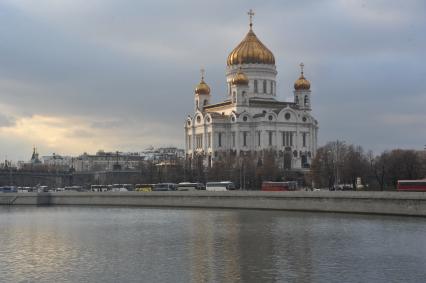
302, 83
250, 51
202, 88
240, 78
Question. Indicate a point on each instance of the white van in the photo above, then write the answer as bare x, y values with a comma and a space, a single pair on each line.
220, 186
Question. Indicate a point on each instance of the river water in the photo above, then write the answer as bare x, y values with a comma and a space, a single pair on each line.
110, 244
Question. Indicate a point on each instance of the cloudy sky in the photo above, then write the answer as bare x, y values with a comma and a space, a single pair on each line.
81, 75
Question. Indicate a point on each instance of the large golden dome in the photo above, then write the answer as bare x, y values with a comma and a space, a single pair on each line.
250, 51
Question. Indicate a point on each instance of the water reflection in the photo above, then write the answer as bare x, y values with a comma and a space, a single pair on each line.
80, 244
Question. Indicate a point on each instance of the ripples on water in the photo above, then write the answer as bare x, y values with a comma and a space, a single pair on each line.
82, 244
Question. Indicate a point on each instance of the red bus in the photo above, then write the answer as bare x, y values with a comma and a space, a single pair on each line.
412, 185
279, 186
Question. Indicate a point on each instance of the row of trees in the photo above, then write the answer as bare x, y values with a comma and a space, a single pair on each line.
247, 171
335, 163
341, 163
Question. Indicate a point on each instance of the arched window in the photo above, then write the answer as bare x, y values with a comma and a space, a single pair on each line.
234, 97
264, 86
255, 86
306, 100
244, 138
205, 102
196, 103
272, 86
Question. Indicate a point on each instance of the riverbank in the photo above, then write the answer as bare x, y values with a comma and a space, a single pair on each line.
392, 203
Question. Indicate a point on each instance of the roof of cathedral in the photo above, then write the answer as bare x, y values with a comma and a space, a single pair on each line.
250, 51
225, 103
270, 103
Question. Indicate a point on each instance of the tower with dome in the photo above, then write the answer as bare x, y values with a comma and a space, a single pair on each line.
251, 121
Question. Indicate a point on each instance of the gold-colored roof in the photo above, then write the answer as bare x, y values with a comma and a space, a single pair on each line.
250, 51
202, 87
240, 78
302, 83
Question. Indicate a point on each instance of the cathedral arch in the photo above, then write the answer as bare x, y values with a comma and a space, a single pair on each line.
287, 114
199, 118
189, 121
245, 117
208, 119
270, 116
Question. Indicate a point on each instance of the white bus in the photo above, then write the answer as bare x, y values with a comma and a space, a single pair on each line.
220, 186
98, 188
164, 187
190, 186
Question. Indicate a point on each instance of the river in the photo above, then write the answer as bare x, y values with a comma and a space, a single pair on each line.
116, 244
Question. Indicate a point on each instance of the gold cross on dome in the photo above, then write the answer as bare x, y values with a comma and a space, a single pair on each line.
301, 67
203, 72
251, 14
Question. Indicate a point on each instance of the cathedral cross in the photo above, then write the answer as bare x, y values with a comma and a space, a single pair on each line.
251, 14
301, 67
203, 72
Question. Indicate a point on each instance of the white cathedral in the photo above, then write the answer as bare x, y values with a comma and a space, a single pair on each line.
251, 119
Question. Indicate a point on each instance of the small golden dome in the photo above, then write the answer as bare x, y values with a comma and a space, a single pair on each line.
302, 83
240, 78
202, 87
250, 51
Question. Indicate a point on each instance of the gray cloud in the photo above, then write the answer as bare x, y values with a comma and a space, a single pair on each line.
6, 121
132, 65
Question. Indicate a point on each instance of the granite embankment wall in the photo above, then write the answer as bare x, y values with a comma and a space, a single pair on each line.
395, 203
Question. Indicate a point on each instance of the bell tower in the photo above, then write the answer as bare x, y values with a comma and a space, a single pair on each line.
239, 89
302, 91
202, 93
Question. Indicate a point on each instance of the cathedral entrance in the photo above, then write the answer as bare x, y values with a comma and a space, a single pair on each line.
287, 161
305, 161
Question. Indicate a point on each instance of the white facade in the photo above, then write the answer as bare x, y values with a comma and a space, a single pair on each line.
251, 119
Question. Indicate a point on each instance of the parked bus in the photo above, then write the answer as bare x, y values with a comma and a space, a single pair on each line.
122, 187
74, 189
220, 186
143, 187
190, 186
98, 188
164, 187
8, 189
279, 186
412, 185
